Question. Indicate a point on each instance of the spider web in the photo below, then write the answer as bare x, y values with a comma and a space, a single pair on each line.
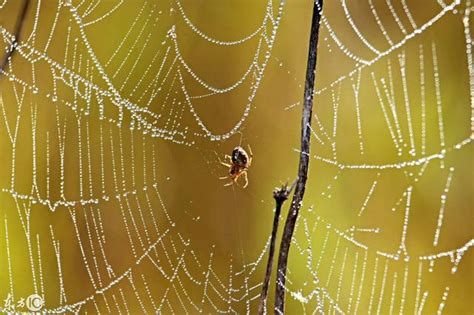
392, 133
86, 111
82, 128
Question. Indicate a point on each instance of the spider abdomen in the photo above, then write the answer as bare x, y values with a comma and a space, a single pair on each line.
240, 157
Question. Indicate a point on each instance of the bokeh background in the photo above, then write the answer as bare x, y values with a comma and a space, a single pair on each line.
115, 115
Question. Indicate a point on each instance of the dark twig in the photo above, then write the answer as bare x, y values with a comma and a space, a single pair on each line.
16, 36
280, 195
304, 159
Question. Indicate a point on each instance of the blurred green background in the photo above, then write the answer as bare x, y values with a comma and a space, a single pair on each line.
114, 202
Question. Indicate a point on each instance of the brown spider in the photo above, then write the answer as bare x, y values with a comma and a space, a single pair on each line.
240, 162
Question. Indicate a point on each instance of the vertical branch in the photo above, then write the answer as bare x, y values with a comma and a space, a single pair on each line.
16, 36
280, 195
304, 159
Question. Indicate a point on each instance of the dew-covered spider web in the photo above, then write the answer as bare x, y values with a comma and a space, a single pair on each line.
112, 112
392, 133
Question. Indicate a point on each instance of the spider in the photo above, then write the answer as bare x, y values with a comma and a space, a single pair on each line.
240, 162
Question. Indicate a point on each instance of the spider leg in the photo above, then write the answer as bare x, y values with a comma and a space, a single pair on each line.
250, 155
228, 184
244, 173
223, 163
224, 177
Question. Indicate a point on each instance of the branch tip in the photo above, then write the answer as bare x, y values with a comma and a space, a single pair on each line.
280, 194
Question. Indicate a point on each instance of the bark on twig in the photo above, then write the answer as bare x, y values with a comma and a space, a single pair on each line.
304, 159
16, 33
280, 195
